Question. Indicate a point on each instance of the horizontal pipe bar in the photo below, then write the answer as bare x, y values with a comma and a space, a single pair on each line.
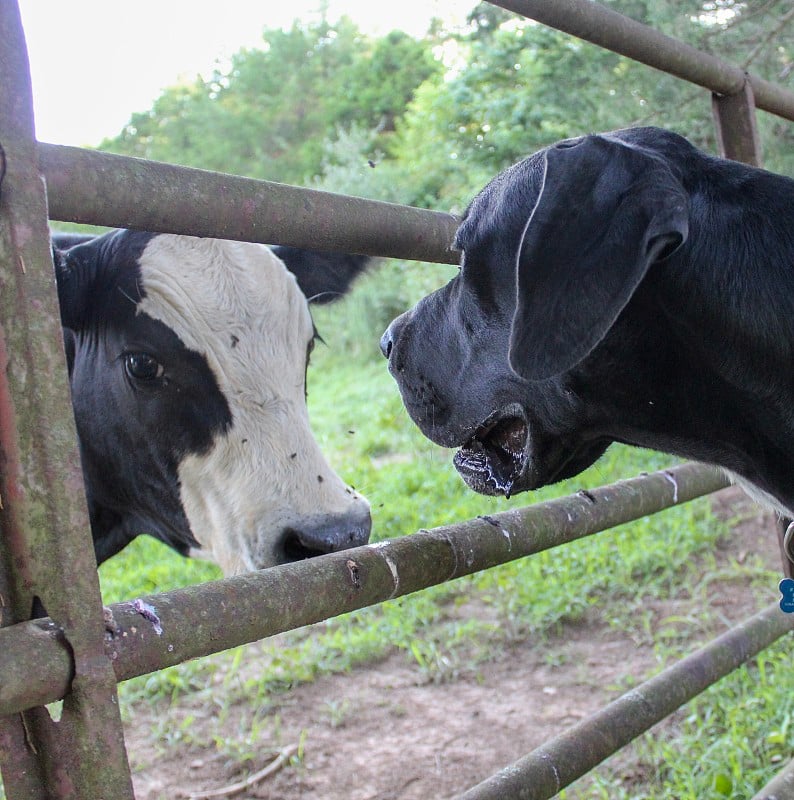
43, 667
781, 787
560, 761
98, 188
607, 28
172, 627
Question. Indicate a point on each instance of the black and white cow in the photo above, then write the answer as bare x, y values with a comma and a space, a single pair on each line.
187, 361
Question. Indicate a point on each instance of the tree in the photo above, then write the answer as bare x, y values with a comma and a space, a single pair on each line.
442, 129
523, 85
270, 114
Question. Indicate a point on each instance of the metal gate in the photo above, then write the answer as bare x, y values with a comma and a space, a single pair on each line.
47, 555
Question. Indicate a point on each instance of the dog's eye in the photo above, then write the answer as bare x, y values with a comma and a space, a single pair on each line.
143, 367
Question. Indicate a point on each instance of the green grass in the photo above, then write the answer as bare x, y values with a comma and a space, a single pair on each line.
724, 744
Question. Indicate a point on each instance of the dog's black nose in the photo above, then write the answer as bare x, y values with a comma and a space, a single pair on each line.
386, 342
393, 333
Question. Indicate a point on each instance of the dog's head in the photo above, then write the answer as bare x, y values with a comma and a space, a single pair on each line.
517, 360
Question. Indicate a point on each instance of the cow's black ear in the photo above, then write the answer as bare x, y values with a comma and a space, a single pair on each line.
75, 271
69, 348
604, 214
323, 277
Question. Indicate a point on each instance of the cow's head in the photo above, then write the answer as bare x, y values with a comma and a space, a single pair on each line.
187, 360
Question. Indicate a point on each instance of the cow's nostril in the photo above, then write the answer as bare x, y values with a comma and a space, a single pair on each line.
330, 536
296, 550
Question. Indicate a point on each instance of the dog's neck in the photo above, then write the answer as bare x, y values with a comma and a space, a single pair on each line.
727, 305
678, 399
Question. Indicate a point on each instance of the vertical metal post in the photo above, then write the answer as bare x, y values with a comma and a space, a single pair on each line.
46, 555
737, 132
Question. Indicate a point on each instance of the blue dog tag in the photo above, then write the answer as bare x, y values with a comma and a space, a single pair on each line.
786, 587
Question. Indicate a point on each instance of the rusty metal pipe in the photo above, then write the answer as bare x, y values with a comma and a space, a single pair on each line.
166, 629
560, 761
99, 188
46, 554
781, 787
607, 28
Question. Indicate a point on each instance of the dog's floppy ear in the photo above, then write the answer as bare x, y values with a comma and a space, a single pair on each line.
604, 214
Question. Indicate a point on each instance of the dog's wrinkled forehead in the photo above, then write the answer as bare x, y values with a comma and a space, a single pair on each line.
500, 208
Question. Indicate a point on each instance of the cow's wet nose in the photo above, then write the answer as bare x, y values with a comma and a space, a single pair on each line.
328, 535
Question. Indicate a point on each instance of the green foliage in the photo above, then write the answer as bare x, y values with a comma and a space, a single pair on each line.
438, 116
269, 114
509, 101
728, 742
148, 567
382, 79
522, 85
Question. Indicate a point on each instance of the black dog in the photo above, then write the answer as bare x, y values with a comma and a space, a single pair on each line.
624, 287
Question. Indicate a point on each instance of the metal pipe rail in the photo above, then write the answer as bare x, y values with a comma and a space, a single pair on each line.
46, 555
43, 661
781, 787
607, 28
166, 629
559, 762
99, 188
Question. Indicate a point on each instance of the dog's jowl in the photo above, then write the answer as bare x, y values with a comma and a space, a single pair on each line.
623, 287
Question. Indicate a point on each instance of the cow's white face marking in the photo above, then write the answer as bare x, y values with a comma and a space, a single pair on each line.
237, 305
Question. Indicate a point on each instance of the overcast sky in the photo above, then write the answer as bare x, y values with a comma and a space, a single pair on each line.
94, 62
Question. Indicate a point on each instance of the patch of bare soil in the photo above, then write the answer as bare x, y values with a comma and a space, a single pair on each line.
386, 733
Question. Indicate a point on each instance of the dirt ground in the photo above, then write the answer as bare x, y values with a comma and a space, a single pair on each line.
386, 733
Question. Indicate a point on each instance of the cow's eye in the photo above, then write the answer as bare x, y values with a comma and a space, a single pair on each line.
142, 366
